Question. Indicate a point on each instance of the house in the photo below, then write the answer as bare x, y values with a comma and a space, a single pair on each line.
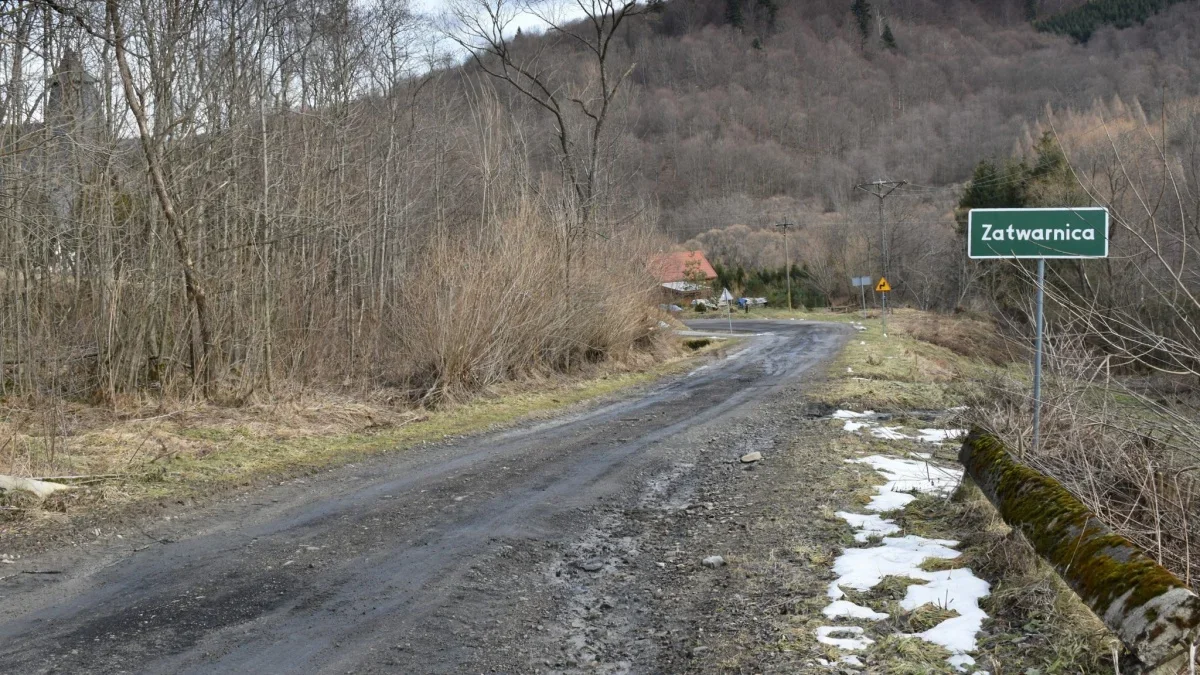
682, 273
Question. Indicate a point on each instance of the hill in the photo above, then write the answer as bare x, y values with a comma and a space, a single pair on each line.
783, 115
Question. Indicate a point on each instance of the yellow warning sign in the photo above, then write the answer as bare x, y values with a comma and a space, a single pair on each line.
883, 286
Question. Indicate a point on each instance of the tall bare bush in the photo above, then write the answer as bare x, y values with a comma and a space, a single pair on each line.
482, 310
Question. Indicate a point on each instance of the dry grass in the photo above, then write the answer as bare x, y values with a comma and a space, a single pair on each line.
901, 371
964, 335
1128, 458
525, 313
152, 454
509, 304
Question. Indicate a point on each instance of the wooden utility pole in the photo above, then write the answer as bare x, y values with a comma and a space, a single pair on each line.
787, 259
881, 189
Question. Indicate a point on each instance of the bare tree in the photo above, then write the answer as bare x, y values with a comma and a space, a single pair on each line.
581, 111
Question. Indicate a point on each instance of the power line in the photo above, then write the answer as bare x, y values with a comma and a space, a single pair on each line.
787, 258
881, 189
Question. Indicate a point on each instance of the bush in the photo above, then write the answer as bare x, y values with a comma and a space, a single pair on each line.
500, 305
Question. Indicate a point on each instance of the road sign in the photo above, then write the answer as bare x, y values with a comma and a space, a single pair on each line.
1038, 233
883, 286
860, 281
1072, 232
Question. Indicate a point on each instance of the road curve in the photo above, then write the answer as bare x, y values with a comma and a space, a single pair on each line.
427, 561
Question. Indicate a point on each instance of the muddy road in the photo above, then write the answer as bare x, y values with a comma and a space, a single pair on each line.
547, 548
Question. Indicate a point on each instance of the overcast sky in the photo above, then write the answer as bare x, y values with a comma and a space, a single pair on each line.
526, 22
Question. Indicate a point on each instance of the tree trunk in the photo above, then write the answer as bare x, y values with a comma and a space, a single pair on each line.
1154, 613
153, 151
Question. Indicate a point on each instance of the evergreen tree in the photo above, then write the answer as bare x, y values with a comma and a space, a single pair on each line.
889, 40
1031, 10
733, 13
862, 16
1085, 19
992, 186
772, 9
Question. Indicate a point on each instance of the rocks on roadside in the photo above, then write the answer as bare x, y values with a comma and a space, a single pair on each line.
752, 457
713, 561
593, 565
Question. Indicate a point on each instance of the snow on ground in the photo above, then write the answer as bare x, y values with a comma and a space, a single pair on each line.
862, 569
906, 476
959, 590
889, 433
940, 435
868, 525
845, 608
869, 420
825, 635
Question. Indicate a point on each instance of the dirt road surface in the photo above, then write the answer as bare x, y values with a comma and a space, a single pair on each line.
561, 546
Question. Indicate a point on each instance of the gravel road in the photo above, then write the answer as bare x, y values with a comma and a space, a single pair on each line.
539, 549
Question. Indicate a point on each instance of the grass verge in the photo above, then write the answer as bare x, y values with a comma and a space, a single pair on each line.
930, 364
202, 450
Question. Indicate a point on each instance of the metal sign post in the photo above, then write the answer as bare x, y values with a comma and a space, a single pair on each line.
862, 283
727, 298
883, 287
1070, 233
1037, 357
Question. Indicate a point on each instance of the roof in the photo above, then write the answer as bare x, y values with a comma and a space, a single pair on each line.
682, 287
669, 267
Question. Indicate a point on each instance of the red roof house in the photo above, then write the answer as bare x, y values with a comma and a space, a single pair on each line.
681, 266
682, 273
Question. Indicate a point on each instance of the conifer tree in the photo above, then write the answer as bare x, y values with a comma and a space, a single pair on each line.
733, 13
862, 16
889, 40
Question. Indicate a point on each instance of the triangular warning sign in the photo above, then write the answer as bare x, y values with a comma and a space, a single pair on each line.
883, 286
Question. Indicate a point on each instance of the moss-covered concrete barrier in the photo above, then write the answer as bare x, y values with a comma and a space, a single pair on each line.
1154, 613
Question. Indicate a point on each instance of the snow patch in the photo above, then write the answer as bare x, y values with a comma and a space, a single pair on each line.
905, 476
825, 636
862, 569
868, 525
869, 420
940, 435
888, 433
845, 608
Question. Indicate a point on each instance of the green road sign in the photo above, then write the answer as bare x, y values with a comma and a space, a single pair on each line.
1038, 233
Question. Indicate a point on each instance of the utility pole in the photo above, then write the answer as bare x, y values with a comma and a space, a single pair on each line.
787, 259
881, 189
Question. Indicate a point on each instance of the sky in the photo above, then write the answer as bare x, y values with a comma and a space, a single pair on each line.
525, 21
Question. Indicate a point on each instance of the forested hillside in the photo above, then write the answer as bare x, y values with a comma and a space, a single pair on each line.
786, 113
